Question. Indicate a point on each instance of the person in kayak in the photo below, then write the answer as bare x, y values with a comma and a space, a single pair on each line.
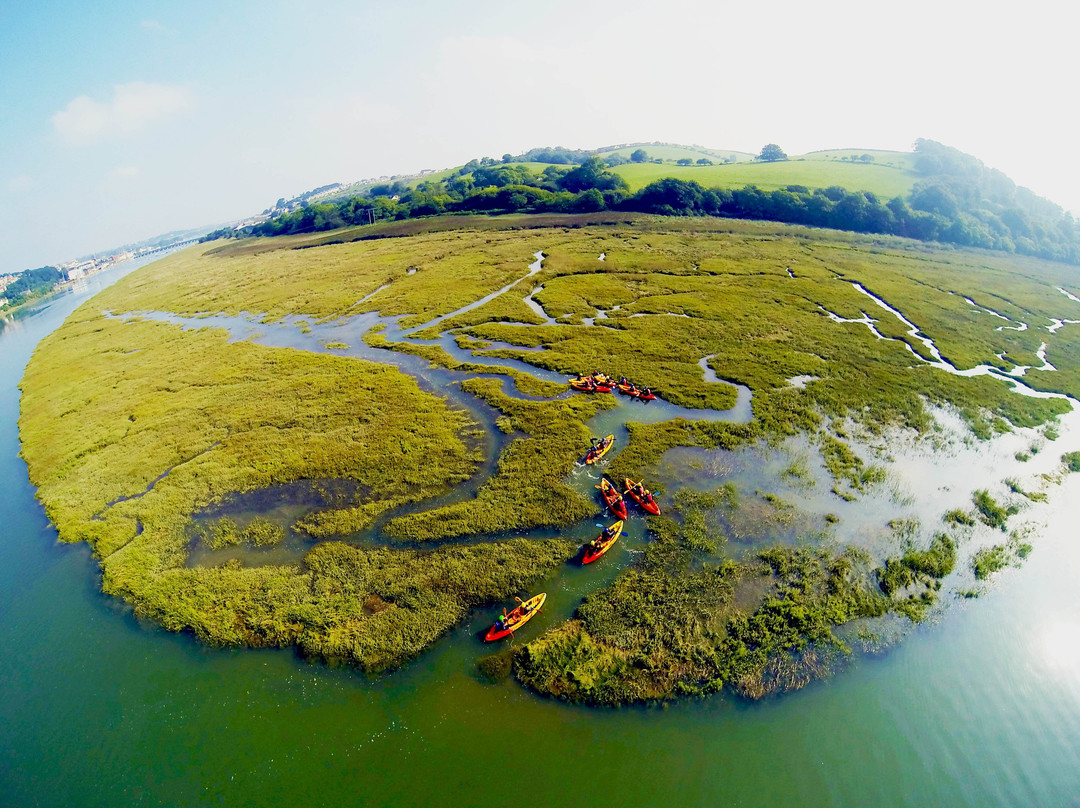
598, 543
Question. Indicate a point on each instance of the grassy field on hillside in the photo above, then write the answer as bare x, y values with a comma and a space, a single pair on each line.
882, 180
881, 157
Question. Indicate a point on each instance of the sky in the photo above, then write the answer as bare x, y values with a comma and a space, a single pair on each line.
123, 120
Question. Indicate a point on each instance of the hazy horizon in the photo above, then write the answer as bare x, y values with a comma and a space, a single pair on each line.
126, 120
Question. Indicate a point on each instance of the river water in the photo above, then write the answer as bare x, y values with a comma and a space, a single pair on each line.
979, 708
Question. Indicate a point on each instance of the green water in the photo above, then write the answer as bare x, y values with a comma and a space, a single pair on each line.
980, 708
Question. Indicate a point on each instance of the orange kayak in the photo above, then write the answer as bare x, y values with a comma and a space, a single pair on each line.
642, 496
596, 548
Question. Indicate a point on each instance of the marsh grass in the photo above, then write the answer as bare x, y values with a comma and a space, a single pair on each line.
130, 427
990, 560
990, 511
673, 625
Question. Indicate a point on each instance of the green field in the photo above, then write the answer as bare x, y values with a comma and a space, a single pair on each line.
882, 180
893, 159
889, 174
131, 427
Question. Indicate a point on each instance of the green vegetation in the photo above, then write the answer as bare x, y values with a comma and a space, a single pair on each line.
959, 517
528, 489
259, 533
28, 285
918, 566
948, 197
990, 560
883, 181
990, 511
1071, 460
1034, 496
673, 625
171, 421
131, 427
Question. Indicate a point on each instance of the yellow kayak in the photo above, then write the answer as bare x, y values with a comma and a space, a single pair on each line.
600, 449
509, 623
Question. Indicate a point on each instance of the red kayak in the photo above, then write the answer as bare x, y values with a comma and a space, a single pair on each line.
642, 496
602, 543
613, 498
632, 390
587, 385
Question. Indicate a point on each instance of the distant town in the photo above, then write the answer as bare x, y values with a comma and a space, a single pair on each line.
19, 288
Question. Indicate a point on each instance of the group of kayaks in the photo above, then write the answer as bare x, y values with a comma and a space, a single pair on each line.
602, 383
510, 621
525, 610
640, 494
615, 502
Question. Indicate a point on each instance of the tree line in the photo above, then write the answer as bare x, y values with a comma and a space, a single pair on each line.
31, 283
959, 201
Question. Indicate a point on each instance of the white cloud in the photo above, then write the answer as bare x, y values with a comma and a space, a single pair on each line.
133, 108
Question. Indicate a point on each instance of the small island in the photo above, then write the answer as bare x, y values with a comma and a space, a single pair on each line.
348, 441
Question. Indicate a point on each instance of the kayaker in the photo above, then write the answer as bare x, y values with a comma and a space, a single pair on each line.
645, 391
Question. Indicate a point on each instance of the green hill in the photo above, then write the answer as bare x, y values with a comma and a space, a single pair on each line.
935, 193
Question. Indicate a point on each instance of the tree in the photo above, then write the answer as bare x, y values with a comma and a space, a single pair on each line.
771, 153
684, 161
592, 173
669, 197
639, 156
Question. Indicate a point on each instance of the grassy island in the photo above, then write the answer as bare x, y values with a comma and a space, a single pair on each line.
134, 428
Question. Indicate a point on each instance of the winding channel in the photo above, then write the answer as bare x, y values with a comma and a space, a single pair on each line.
297, 332
1011, 377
